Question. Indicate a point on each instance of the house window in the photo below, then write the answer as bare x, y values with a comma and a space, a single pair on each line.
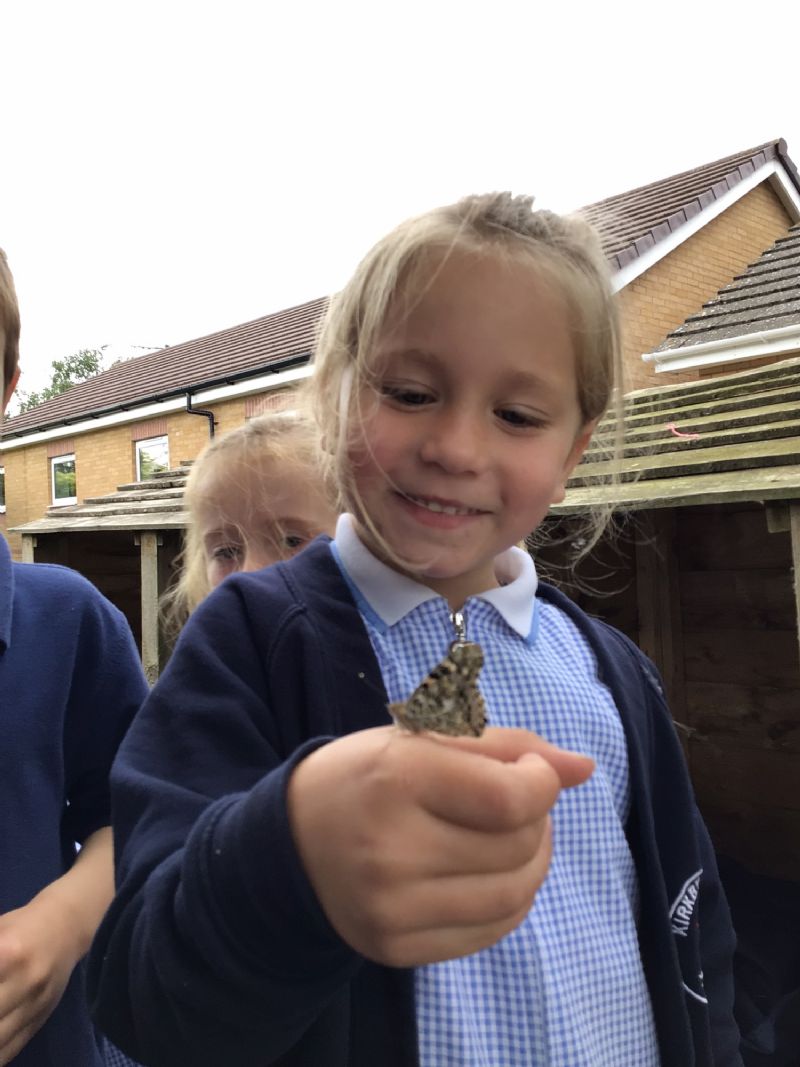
62, 480
2, 490
152, 456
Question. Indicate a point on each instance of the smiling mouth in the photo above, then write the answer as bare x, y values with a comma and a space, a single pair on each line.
440, 507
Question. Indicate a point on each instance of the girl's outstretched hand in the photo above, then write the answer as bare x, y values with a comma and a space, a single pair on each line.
423, 848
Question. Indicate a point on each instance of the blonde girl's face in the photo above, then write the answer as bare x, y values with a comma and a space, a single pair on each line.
474, 425
257, 517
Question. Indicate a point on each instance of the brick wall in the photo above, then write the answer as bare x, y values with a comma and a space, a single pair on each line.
104, 459
679, 284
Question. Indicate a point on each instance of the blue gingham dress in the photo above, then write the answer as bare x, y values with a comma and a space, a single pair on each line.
567, 988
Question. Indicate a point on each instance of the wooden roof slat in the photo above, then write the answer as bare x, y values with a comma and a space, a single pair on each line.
155, 503
759, 430
705, 425
735, 456
748, 449
685, 412
781, 483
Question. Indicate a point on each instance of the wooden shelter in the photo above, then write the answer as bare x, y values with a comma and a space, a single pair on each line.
703, 573
126, 543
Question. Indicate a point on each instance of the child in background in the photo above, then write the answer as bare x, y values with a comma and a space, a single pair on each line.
70, 682
302, 883
254, 496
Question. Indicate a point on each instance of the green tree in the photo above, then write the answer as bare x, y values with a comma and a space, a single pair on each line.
78, 367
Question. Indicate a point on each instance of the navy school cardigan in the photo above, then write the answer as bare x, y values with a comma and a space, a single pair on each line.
216, 949
70, 683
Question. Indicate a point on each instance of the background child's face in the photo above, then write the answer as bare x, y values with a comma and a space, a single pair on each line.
477, 424
258, 517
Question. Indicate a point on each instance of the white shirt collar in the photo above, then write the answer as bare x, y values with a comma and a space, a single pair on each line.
391, 595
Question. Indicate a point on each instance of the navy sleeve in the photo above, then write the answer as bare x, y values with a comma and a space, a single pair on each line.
216, 949
717, 945
107, 687
717, 941
671, 844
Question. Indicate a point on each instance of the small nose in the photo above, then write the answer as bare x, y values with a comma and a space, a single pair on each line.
454, 442
260, 555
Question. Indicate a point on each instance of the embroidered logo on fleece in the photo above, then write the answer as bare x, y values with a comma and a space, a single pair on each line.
680, 916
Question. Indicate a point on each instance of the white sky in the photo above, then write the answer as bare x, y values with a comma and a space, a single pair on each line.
173, 168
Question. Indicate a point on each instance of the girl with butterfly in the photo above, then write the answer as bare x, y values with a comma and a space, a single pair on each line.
302, 882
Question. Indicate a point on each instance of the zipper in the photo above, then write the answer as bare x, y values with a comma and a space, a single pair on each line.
460, 627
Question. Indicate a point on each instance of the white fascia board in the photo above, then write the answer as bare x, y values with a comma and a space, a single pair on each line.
778, 342
773, 170
264, 383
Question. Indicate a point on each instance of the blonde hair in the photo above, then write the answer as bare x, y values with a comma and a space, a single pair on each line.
277, 439
566, 249
9, 322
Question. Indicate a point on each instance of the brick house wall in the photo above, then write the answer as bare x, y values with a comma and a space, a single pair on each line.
27, 488
652, 305
104, 459
678, 285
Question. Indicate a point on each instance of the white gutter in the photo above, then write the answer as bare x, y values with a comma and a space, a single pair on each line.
264, 383
727, 350
780, 182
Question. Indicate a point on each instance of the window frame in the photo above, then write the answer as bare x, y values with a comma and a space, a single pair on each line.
139, 447
64, 501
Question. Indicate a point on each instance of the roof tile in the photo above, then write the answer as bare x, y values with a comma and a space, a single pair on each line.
631, 223
766, 296
735, 437
625, 220
229, 355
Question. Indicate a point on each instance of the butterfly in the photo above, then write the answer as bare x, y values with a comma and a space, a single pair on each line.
448, 701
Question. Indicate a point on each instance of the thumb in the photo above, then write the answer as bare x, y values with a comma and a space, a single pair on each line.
572, 768
510, 745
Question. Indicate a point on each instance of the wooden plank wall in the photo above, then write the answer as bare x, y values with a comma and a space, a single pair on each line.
741, 682
603, 583
708, 593
110, 560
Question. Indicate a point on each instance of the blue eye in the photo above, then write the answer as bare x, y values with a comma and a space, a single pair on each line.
226, 553
294, 541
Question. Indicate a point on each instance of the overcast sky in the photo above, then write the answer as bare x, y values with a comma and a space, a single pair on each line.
170, 169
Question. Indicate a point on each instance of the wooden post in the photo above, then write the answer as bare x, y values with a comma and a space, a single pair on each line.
658, 597
794, 527
28, 545
149, 571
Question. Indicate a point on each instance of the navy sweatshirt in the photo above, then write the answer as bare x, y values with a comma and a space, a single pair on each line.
216, 950
70, 682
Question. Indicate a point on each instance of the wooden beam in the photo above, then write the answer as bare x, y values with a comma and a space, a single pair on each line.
28, 545
731, 487
149, 570
794, 528
777, 518
658, 598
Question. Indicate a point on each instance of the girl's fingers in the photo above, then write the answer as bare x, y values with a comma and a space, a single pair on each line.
479, 792
510, 744
450, 917
435, 848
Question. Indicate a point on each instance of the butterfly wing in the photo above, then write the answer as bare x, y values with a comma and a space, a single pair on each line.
448, 701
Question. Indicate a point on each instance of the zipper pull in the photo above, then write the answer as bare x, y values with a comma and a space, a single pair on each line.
460, 626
